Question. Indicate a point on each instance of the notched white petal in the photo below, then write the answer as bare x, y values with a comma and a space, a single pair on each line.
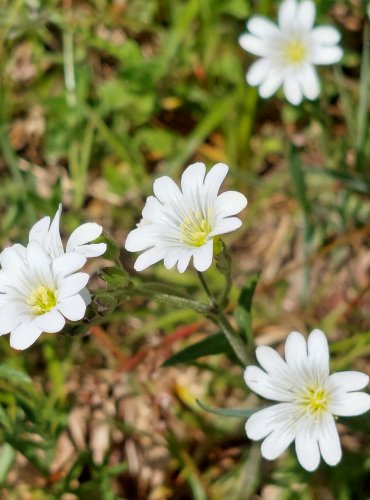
295, 350
203, 257
24, 335
73, 308
277, 442
84, 234
348, 381
350, 404
329, 442
253, 45
307, 449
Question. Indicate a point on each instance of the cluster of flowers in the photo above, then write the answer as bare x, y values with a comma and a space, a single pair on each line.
41, 284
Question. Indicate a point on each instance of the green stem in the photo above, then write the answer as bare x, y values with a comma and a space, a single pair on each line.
363, 99
235, 342
218, 316
224, 266
206, 288
176, 301
165, 298
346, 104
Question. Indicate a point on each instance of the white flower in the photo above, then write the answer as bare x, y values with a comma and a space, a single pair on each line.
180, 224
48, 235
37, 292
308, 400
289, 51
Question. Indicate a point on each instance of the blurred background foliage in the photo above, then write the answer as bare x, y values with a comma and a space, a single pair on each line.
96, 99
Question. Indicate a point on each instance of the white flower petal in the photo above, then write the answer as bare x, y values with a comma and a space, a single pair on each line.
287, 14
258, 71
84, 234
307, 449
309, 82
296, 350
153, 210
148, 258
264, 385
230, 203
192, 178
318, 350
11, 315
25, 335
292, 90
306, 13
203, 256
39, 264
71, 285
184, 261
329, 442
262, 27
325, 35
73, 308
326, 55
50, 322
348, 381
86, 297
92, 249
20, 249
165, 189
215, 178
39, 231
172, 256
263, 422
350, 404
271, 361
11, 261
226, 226
277, 442
54, 240
271, 84
253, 45
67, 264
140, 238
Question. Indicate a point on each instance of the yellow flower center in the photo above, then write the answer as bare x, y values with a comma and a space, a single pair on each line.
195, 230
42, 300
294, 52
315, 399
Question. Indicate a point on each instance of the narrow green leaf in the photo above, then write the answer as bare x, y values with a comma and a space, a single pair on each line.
359, 183
13, 375
215, 344
229, 412
299, 181
243, 312
7, 457
246, 295
363, 105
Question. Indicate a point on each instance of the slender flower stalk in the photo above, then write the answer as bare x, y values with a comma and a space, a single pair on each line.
290, 51
178, 225
309, 399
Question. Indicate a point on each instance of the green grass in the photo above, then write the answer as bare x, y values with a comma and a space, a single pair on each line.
97, 99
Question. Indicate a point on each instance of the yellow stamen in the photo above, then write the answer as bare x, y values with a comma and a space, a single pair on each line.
294, 52
315, 399
42, 300
195, 230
